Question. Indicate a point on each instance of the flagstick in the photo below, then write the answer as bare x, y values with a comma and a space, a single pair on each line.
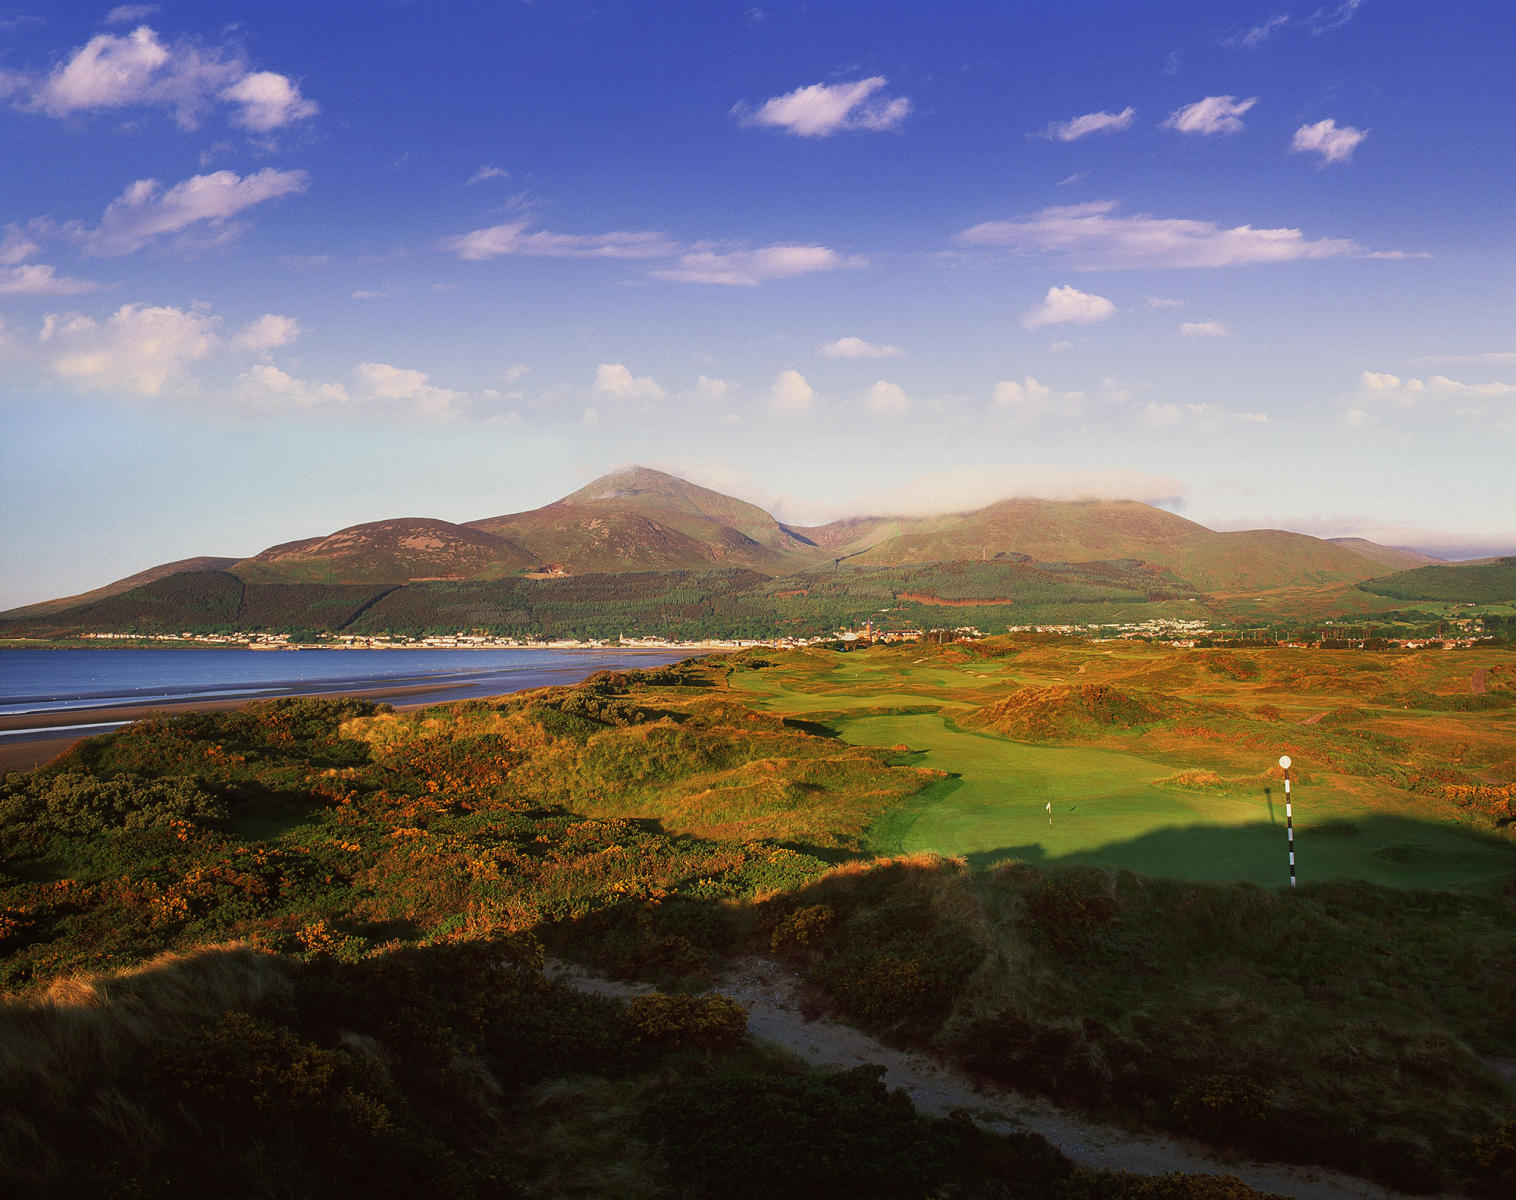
1289, 820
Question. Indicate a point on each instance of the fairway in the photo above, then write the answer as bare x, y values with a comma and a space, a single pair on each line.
1114, 806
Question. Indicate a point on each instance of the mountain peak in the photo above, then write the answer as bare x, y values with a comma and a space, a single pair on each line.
632, 481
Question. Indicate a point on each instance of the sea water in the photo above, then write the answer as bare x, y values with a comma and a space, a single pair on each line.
36, 680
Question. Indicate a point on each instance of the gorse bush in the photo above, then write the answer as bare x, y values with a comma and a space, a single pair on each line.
802, 930
1221, 1106
77, 804
687, 1022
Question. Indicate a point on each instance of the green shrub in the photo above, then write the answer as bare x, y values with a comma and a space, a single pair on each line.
1221, 1107
802, 930
687, 1022
748, 1136
81, 805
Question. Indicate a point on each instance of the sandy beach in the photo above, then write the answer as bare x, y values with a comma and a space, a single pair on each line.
57, 731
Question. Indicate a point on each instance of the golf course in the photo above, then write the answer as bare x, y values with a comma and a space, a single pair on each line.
1195, 793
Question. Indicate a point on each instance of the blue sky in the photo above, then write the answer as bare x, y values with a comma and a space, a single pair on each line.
269, 270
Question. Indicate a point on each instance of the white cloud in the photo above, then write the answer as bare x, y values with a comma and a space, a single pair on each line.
267, 386
1028, 394
187, 77
791, 393
379, 388
145, 211
268, 332
1068, 306
970, 488
370, 294
1326, 139
268, 101
1095, 122
125, 14
712, 390
16, 247
617, 382
822, 109
514, 237
1490, 400
40, 279
853, 347
149, 352
111, 72
1204, 329
1378, 381
1214, 114
138, 349
1161, 302
1260, 33
749, 268
1160, 416
1441, 385
412, 389
700, 263
1324, 20
1026, 402
1094, 237
884, 397
487, 172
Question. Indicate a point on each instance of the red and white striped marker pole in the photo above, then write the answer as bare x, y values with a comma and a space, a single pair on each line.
1289, 816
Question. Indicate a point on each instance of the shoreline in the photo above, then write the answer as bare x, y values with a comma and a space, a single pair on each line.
57, 730
191, 643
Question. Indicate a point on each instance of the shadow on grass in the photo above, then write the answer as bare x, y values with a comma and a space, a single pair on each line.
1391, 851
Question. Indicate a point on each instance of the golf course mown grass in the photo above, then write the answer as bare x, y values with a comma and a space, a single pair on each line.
1195, 796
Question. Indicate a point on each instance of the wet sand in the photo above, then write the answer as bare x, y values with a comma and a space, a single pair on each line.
57, 731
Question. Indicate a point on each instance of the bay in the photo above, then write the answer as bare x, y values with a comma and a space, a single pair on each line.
66, 681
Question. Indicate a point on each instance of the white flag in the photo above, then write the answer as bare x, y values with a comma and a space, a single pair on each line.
1050, 807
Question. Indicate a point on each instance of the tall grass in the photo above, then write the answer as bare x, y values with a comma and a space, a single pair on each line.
1345, 1024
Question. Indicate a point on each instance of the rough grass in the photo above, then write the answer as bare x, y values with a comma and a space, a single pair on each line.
1117, 993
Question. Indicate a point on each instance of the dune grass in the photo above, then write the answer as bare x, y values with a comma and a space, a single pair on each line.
388, 875
1342, 1023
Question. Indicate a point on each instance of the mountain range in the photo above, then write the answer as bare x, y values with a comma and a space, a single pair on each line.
642, 521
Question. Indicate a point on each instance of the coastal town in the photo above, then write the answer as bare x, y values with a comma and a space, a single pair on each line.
1164, 631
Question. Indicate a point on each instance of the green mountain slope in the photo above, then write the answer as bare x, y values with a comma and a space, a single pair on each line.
1489, 582
163, 571
1087, 530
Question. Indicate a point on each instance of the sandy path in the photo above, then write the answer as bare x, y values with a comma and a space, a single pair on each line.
770, 993
1313, 718
1476, 681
